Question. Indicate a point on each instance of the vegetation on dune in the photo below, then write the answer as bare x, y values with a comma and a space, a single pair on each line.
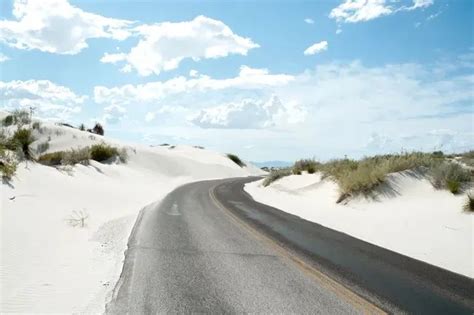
98, 129
363, 176
275, 175
99, 152
236, 159
468, 158
76, 156
51, 159
308, 165
469, 205
7, 164
102, 152
21, 140
17, 117
449, 175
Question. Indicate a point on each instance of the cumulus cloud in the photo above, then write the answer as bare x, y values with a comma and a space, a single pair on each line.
113, 114
316, 48
249, 114
248, 78
50, 100
353, 11
309, 21
56, 26
163, 46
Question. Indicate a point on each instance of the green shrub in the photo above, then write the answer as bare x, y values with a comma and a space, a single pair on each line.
36, 125
469, 205
7, 165
82, 127
75, 156
449, 175
98, 129
51, 159
308, 165
8, 120
275, 175
236, 159
453, 186
22, 139
102, 152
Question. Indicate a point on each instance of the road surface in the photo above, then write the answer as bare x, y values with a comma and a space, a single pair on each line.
208, 247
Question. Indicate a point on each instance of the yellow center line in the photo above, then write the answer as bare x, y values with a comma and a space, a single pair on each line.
340, 290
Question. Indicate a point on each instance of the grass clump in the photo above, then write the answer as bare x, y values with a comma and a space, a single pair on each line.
51, 159
42, 147
308, 165
76, 156
102, 152
451, 176
469, 205
236, 159
7, 165
276, 174
21, 140
18, 117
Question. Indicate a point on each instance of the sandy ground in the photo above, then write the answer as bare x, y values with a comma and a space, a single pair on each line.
46, 264
407, 216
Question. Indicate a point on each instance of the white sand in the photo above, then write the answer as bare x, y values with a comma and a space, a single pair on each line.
48, 265
409, 216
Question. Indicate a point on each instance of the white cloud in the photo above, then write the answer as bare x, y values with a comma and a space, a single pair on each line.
309, 21
248, 78
149, 116
3, 58
338, 31
51, 101
249, 114
113, 114
55, 26
193, 73
163, 46
353, 11
316, 48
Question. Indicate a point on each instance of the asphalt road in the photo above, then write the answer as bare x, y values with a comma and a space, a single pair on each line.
208, 247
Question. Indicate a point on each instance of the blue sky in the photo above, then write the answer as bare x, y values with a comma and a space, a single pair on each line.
382, 76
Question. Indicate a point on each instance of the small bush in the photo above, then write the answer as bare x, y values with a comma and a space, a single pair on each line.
98, 129
82, 127
236, 159
308, 165
469, 205
22, 138
8, 120
51, 159
276, 175
438, 154
449, 175
78, 218
73, 157
7, 165
42, 147
36, 125
102, 152
453, 186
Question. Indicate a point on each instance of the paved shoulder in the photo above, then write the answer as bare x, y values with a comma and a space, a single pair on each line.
187, 255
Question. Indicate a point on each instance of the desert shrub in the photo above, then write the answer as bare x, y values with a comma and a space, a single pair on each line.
22, 139
276, 174
450, 176
8, 120
102, 152
236, 159
469, 205
36, 125
42, 147
453, 186
98, 129
438, 154
75, 156
199, 147
82, 127
78, 218
7, 165
51, 159
308, 165
468, 158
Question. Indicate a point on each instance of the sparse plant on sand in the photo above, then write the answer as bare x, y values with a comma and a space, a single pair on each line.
308, 165
76, 156
276, 174
449, 175
469, 205
42, 147
236, 159
101, 152
22, 139
78, 218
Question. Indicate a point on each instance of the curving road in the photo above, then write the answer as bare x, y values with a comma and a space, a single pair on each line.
208, 247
